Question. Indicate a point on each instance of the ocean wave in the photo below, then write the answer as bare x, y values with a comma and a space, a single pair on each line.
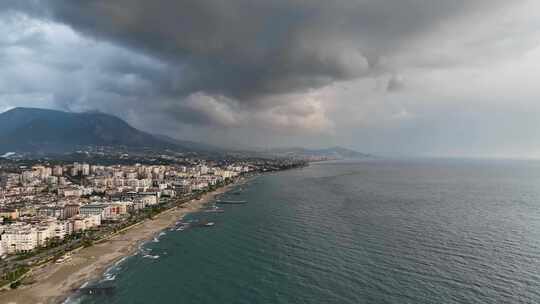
113, 270
74, 298
120, 261
158, 236
109, 277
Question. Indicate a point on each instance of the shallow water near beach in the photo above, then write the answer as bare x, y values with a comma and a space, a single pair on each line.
417, 231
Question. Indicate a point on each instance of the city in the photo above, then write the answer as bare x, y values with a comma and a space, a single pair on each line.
48, 210
263, 152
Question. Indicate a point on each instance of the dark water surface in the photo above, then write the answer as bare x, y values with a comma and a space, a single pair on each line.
354, 232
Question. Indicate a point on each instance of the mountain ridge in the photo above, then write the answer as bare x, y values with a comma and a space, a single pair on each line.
336, 152
44, 130
37, 130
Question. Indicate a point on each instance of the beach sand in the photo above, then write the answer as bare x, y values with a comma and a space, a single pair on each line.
53, 283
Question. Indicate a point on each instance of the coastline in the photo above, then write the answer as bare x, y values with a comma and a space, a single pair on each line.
54, 283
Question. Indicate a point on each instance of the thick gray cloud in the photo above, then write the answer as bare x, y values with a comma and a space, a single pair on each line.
277, 67
243, 49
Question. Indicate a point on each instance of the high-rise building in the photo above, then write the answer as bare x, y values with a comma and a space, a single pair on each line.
85, 169
75, 169
58, 171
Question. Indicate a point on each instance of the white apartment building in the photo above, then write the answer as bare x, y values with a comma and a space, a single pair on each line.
149, 199
58, 171
81, 223
19, 237
70, 192
85, 169
102, 210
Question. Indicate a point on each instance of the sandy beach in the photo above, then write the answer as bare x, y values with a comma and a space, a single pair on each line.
53, 283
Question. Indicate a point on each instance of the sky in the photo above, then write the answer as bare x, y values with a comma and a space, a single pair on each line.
390, 77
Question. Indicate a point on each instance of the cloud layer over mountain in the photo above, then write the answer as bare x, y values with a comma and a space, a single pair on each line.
283, 71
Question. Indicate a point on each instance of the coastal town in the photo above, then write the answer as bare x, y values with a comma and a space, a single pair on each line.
48, 210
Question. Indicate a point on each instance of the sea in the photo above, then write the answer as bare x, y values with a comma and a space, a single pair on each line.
374, 231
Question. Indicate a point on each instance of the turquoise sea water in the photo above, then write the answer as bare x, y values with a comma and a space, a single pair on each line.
353, 232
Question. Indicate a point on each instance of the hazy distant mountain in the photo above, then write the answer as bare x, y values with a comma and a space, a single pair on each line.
189, 145
41, 130
330, 153
341, 152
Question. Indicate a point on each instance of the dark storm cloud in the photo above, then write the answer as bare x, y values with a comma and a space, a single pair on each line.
243, 65
395, 83
245, 49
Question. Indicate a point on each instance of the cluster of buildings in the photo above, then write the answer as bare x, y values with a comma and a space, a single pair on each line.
43, 203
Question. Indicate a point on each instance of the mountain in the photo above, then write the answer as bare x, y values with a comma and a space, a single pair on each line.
41, 130
328, 153
49, 131
189, 145
341, 152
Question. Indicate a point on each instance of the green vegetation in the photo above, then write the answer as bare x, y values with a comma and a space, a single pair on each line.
153, 211
49, 244
15, 284
13, 276
87, 242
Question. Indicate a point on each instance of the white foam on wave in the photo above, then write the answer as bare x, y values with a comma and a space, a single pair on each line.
149, 256
113, 270
141, 247
157, 237
72, 300
75, 299
120, 261
84, 285
109, 277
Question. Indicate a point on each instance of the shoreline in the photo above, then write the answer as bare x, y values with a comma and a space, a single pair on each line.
55, 283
